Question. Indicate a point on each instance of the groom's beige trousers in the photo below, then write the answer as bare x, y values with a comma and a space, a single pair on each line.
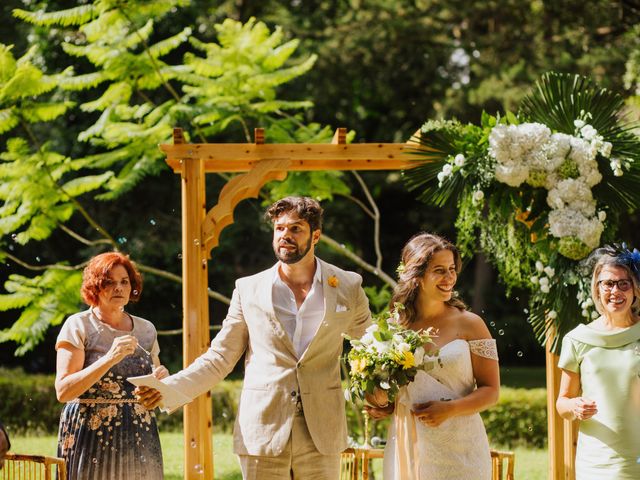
300, 460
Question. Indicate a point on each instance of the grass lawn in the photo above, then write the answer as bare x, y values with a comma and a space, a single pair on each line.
530, 464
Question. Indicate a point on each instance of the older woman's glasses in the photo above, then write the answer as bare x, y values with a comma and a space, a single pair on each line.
623, 284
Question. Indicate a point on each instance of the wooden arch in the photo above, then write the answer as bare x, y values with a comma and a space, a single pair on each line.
259, 163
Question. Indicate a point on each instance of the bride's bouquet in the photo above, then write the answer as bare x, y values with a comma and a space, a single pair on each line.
387, 357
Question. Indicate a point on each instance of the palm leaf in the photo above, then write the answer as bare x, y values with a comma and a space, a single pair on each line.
435, 143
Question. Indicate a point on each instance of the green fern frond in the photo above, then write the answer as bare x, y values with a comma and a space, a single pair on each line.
276, 105
284, 75
42, 226
44, 112
83, 82
205, 67
65, 18
169, 44
8, 63
98, 55
137, 37
8, 119
119, 92
98, 127
280, 55
27, 81
81, 185
50, 298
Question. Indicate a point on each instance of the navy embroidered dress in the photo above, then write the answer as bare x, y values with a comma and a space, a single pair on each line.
106, 434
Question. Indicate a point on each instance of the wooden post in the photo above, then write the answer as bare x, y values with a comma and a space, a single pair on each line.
570, 443
198, 449
555, 426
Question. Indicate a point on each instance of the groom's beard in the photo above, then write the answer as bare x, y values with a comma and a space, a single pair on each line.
291, 256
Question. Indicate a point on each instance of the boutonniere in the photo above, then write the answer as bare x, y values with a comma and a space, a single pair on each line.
333, 281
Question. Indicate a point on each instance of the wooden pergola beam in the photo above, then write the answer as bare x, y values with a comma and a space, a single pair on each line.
242, 157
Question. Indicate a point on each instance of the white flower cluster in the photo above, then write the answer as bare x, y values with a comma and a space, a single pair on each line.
545, 273
450, 168
563, 164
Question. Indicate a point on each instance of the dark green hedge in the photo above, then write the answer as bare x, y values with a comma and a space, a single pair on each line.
519, 418
29, 405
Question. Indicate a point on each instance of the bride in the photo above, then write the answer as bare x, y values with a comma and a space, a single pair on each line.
436, 432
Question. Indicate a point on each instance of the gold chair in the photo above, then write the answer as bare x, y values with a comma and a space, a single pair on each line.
354, 462
33, 467
497, 461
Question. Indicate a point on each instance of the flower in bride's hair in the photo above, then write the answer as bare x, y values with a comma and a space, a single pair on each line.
333, 281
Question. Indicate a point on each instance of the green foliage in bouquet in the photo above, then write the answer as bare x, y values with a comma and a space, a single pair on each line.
387, 357
537, 191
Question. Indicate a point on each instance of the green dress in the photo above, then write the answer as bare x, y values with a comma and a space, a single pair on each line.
609, 367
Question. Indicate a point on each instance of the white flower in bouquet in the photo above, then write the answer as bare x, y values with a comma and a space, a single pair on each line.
389, 361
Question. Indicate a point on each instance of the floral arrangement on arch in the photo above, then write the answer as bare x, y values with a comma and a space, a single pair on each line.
537, 191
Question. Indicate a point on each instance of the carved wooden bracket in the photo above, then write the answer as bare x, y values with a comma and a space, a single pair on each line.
237, 189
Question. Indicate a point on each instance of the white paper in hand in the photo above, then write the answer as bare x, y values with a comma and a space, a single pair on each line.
171, 398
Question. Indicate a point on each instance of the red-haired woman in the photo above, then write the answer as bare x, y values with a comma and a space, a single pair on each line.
104, 433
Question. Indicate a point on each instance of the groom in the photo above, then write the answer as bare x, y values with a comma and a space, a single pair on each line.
289, 320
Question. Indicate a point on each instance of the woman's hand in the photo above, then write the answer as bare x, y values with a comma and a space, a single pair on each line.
149, 397
121, 347
160, 372
433, 413
583, 408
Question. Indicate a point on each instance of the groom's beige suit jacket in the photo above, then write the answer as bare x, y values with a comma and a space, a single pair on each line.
273, 373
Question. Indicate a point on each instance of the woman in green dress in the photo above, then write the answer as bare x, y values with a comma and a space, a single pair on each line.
600, 382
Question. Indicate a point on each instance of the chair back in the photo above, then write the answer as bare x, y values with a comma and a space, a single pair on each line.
33, 467
498, 460
354, 462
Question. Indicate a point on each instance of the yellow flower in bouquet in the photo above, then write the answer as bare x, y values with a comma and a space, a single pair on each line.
406, 359
387, 357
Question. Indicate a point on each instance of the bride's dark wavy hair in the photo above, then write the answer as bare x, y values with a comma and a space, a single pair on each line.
416, 255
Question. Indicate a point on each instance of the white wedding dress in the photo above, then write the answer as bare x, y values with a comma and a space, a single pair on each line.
458, 449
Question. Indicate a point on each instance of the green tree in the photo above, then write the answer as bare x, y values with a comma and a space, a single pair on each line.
134, 98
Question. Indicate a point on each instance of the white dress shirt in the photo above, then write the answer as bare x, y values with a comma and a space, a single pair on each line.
300, 324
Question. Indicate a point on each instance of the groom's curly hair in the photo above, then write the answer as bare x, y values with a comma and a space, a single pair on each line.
307, 209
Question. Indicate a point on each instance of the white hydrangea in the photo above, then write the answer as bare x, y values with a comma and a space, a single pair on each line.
573, 194
566, 165
566, 222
